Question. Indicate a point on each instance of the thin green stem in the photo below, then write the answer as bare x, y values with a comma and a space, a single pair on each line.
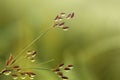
36, 39
46, 62
39, 69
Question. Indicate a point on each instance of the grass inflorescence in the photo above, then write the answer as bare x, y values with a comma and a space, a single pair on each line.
18, 72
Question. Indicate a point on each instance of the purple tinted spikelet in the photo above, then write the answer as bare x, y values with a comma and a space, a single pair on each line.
72, 15
59, 70
61, 19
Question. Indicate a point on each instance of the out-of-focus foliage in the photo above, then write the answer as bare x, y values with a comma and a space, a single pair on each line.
92, 43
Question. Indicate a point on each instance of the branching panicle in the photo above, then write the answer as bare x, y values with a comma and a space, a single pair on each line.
17, 72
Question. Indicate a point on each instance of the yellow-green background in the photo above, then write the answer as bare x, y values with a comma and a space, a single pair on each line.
92, 42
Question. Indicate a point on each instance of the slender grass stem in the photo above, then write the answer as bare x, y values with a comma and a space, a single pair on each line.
36, 39
46, 62
39, 69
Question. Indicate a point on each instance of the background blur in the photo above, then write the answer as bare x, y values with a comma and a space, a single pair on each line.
92, 43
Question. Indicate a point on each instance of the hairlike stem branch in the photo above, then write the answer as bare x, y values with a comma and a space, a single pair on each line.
46, 62
39, 69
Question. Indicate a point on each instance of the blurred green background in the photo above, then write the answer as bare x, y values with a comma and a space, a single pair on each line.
92, 43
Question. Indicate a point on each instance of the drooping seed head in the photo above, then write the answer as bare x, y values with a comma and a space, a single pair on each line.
23, 75
56, 70
72, 15
6, 72
67, 68
14, 76
61, 24
65, 28
56, 18
62, 14
31, 55
9, 60
60, 74
70, 66
65, 78
60, 65
16, 67
68, 16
